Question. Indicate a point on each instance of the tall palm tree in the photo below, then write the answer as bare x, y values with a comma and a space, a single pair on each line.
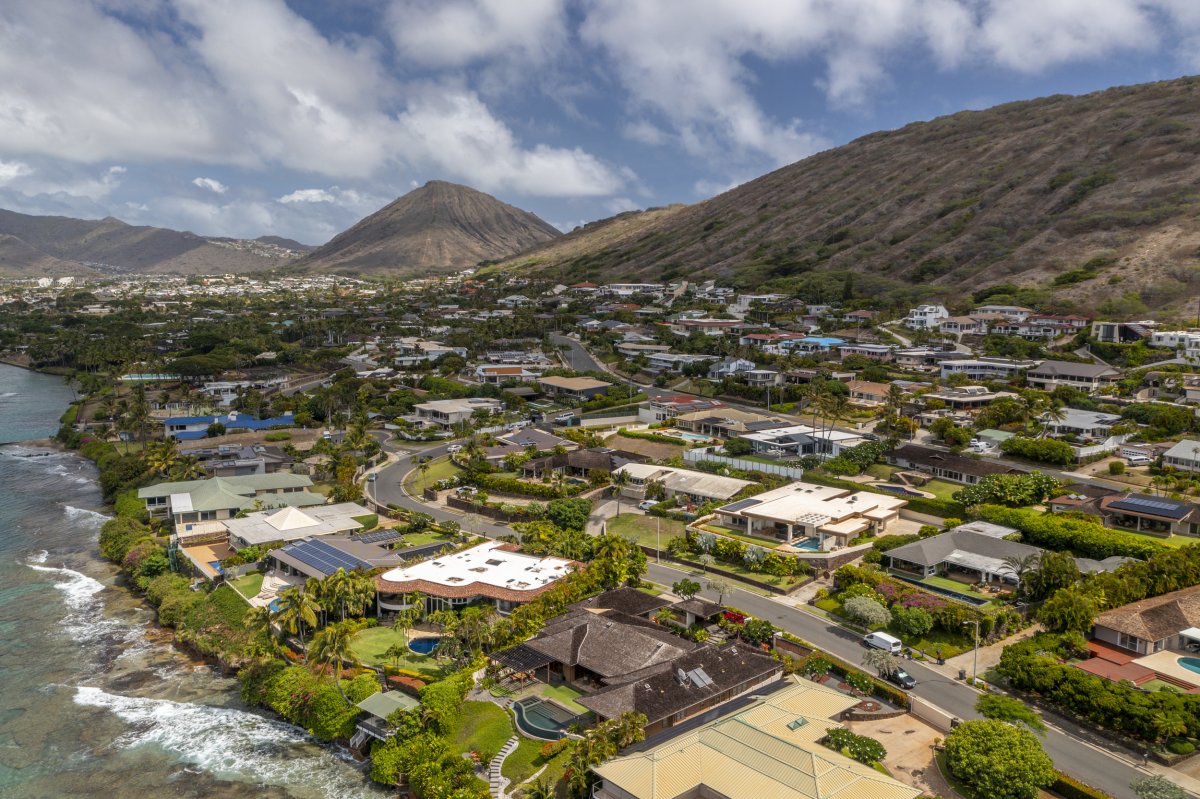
189, 467
259, 620
1022, 565
296, 611
619, 479
331, 646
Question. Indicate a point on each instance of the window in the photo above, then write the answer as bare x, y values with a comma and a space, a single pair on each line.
1126, 641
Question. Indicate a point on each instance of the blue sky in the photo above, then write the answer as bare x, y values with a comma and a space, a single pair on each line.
253, 117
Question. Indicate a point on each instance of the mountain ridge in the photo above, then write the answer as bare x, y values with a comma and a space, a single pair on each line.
1087, 197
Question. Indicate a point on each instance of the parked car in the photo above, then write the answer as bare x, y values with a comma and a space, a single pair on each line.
372, 477
901, 678
1139, 460
647, 504
453, 448
465, 490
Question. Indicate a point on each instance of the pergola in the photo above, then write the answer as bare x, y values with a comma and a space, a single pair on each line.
521, 659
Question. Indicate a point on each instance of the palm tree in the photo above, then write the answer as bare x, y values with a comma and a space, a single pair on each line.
336, 587
188, 467
259, 620
542, 789
331, 646
1021, 565
619, 479
296, 610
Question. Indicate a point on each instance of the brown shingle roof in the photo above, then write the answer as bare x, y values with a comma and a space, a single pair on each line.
1157, 618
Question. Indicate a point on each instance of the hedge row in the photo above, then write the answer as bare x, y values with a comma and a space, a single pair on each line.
658, 438
1082, 537
1071, 788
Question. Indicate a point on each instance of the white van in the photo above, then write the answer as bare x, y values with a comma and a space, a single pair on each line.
1139, 460
888, 643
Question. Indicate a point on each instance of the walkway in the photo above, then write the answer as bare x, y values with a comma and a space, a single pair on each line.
496, 779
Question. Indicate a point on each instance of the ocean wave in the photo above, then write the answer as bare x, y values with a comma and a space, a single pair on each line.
39, 557
85, 514
233, 744
85, 622
79, 591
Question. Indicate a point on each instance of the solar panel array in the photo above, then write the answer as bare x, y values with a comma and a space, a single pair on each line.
1157, 507
742, 504
324, 558
700, 678
379, 536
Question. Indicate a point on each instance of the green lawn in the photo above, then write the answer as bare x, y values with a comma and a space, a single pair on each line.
416, 539
1174, 541
955, 585
439, 469
768, 543
565, 695
644, 528
942, 489
370, 644
249, 585
881, 471
481, 727
949, 644
526, 760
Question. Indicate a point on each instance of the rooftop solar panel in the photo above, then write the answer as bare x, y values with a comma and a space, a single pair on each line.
1157, 507
742, 504
324, 558
378, 536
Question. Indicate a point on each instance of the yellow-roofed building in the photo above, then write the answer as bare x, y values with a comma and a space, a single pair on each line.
767, 749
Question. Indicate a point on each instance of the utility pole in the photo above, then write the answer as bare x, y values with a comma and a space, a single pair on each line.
975, 657
658, 539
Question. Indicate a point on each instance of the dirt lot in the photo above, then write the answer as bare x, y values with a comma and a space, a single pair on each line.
651, 449
909, 744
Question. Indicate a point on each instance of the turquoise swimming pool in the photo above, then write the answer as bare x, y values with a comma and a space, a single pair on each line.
1191, 664
542, 719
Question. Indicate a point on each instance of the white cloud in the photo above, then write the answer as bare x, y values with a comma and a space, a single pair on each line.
1031, 35
619, 205
11, 170
451, 129
211, 184
307, 196
458, 32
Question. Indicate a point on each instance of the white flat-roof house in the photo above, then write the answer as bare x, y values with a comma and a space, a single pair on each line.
926, 317
696, 486
802, 439
494, 572
986, 368
449, 412
816, 517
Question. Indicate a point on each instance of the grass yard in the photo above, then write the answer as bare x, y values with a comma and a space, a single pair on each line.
249, 585
956, 586
942, 489
416, 539
881, 471
526, 760
716, 529
439, 469
644, 528
1174, 541
949, 644
565, 695
481, 727
369, 645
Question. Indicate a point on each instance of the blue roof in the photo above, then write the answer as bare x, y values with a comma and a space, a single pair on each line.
233, 421
824, 341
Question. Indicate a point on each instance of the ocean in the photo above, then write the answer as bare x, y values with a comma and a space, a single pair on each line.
95, 702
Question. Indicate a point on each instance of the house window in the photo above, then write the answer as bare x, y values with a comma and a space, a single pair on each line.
1126, 641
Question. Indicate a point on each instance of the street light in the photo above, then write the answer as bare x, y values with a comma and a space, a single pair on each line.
975, 657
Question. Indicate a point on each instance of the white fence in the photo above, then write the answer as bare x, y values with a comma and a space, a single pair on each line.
705, 454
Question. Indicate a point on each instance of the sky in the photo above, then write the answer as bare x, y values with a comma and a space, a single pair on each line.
297, 118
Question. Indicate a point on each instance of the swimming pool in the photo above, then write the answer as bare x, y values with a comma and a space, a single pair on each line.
895, 489
809, 544
424, 646
541, 718
1191, 664
691, 436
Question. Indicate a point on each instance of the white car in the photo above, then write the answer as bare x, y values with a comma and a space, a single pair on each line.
453, 448
1139, 460
647, 504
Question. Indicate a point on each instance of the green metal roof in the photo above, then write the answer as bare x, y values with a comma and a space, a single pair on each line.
382, 705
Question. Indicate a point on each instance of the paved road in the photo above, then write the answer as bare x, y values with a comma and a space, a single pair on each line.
1081, 760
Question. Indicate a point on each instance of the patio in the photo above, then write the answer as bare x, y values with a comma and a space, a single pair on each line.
1166, 665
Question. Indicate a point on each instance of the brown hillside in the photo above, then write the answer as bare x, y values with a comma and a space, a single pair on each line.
75, 246
440, 227
1023, 193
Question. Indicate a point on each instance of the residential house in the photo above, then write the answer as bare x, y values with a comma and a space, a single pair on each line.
959, 325
727, 422
967, 398
292, 524
946, 465
1170, 621
1082, 424
922, 359
986, 368
926, 317
812, 517
234, 460
1089, 377
865, 392
809, 345
660, 409
729, 367
800, 439
1183, 456
1015, 312
674, 361
976, 552
219, 498
494, 374
493, 572
1122, 332
768, 748
762, 341
876, 352
626, 663
692, 486
581, 388
449, 412
763, 378
1139, 513
192, 428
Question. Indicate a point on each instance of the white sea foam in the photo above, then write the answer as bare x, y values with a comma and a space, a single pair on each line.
79, 591
8, 394
85, 515
39, 557
85, 623
233, 744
